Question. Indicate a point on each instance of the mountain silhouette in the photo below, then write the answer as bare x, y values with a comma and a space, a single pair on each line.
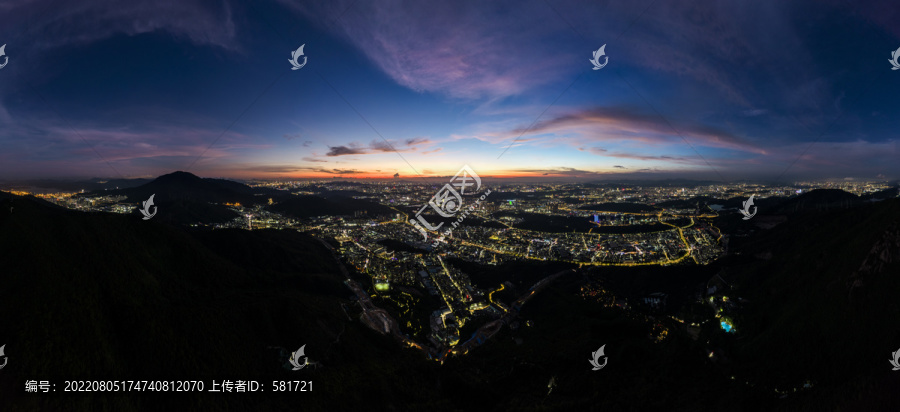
184, 186
184, 198
818, 199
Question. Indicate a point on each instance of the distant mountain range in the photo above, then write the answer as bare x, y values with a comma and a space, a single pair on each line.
184, 186
186, 198
75, 185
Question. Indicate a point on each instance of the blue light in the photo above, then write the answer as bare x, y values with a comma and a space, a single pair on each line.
726, 326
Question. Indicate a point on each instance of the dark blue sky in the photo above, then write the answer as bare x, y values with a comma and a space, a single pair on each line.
719, 90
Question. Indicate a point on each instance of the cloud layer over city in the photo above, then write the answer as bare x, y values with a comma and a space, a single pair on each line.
721, 91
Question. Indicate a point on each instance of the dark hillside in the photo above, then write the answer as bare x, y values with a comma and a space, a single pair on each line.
823, 290
100, 296
105, 296
186, 186
305, 206
819, 199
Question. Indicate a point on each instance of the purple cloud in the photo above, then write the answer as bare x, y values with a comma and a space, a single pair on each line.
378, 146
344, 151
453, 48
616, 124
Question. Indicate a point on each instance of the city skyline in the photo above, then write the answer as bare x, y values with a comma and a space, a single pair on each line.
770, 91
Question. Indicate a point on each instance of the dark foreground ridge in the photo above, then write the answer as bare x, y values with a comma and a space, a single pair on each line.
112, 297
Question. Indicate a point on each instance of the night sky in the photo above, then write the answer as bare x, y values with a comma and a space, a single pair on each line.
718, 90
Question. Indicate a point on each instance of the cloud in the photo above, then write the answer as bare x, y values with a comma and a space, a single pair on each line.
312, 159
273, 168
344, 151
378, 146
91, 149
452, 48
560, 171
293, 169
418, 141
485, 50
837, 159
619, 167
881, 12
666, 158
341, 171
55, 24
754, 112
727, 47
122, 144
615, 124
381, 146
